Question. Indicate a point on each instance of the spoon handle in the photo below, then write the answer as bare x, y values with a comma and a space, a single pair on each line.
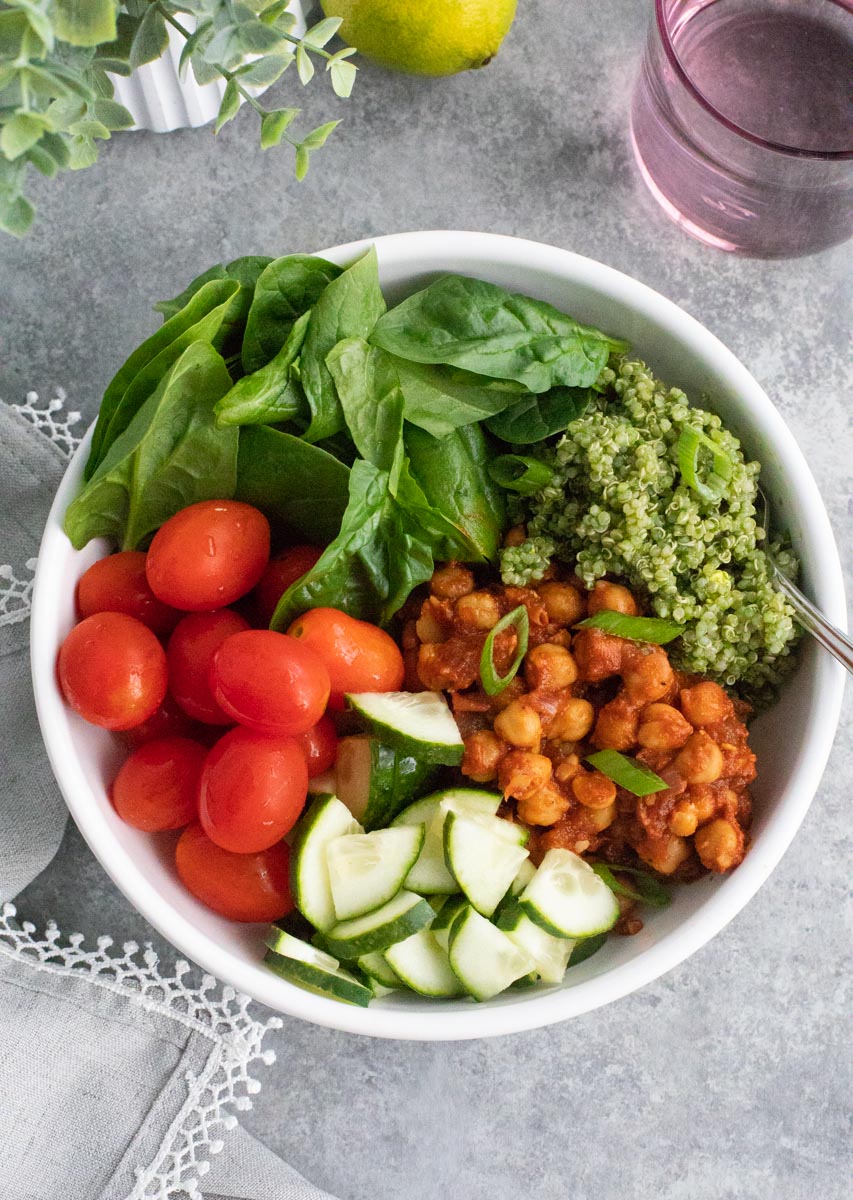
814, 622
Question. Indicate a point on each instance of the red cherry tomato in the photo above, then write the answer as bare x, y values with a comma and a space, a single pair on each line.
359, 657
269, 682
118, 583
157, 788
208, 555
279, 574
242, 887
319, 744
190, 653
112, 670
252, 790
169, 720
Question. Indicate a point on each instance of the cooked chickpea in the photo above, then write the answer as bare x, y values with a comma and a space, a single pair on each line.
430, 627
601, 818
515, 536
705, 703
451, 582
616, 727
549, 666
598, 654
519, 724
662, 727
479, 610
543, 807
719, 845
612, 597
664, 854
514, 690
483, 752
564, 604
567, 768
683, 820
572, 722
521, 773
646, 673
700, 760
704, 800
594, 790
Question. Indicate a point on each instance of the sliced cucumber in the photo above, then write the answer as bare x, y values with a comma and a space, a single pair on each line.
394, 921
430, 874
551, 954
567, 898
483, 958
368, 869
443, 922
482, 860
423, 965
375, 781
312, 969
419, 723
472, 799
379, 989
525, 873
325, 820
379, 970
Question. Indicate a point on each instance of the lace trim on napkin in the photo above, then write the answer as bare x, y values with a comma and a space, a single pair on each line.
220, 1015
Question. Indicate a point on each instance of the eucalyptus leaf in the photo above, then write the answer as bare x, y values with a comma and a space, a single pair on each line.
343, 78
229, 107
21, 132
274, 124
536, 417
285, 289
84, 22
150, 40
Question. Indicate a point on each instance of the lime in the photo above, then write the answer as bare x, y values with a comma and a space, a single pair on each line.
437, 38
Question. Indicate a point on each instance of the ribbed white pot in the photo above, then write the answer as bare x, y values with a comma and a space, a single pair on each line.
159, 100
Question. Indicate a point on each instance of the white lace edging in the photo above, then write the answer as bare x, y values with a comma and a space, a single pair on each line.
15, 594
221, 1016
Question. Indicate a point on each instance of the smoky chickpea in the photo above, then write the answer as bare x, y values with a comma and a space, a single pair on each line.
483, 753
564, 604
594, 790
646, 673
567, 768
430, 626
521, 773
682, 820
601, 818
514, 690
719, 845
664, 854
572, 722
612, 597
452, 581
616, 726
544, 807
705, 703
700, 760
479, 610
662, 727
550, 667
519, 724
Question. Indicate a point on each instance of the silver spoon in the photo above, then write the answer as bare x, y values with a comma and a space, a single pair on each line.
812, 619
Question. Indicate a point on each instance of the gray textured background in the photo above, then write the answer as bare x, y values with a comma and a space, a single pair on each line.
730, 1077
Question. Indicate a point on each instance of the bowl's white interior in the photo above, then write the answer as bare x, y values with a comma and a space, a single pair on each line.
792, 740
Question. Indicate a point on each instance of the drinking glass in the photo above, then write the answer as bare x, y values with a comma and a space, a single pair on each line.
742, 124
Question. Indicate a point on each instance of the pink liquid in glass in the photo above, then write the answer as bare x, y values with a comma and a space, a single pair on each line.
742, 121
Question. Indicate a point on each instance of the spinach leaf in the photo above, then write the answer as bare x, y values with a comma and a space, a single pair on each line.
440, 399
647, 888
171, 455
584, 948
211, 296
452, 471
482, 328
519, 473
286, 288
246, 272
300, 486
369, 393
349, 307
537, 417
270, 395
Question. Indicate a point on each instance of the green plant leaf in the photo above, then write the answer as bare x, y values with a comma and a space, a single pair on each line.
343, 78
65, 112
150, 40
194, 41
83, 153
322, 32
16, 215
112, 114
264, 71
285, 289
304, 65
303, 161
84, 22
40, 23
22, 131
317, 137
274, 124
229, 107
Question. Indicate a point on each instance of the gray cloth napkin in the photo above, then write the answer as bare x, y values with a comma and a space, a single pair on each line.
120, 1079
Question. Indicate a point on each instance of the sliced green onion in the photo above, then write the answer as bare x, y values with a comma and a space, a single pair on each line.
690, 445
586, 947
519, 473
492, 682
637, 629
627, 772
648, 890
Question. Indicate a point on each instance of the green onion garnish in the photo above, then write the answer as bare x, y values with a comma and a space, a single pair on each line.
627, 772
520, 473
492, 682
648, 890
690, 445
637, 629
585, 948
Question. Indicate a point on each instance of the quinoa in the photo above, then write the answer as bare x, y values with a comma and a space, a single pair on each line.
617, 505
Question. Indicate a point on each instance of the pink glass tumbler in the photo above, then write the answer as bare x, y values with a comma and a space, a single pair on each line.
742, 122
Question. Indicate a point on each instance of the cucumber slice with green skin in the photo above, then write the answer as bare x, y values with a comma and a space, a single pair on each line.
472, 799
551, 954
394, 921
312, 969
418, 723
376, 781
483, 958
508, 831
379, 970
423, 965
430, 875
525, 873
379, 989
483, 862
443, 922
325, 820
367, 869
567, 898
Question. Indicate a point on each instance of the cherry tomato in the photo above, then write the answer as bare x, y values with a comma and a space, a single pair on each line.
319, 744
112, 670
190, 653
157, 788
242, 887
208, 555
359, 657
269, 682
252, 790
169, 720
118, 583
281, 571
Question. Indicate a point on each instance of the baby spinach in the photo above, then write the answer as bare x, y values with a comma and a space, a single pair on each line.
519, 473
271, 395
439, 399
482, 328
349, 307
285, 289
534, 418
369, 393
246, 271
297, 485
171, 455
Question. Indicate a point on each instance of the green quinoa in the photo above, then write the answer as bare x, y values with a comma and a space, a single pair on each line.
617, 505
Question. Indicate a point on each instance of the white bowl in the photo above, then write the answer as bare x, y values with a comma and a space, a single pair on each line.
792, 740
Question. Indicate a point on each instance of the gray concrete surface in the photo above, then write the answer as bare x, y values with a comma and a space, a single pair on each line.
729, 1079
